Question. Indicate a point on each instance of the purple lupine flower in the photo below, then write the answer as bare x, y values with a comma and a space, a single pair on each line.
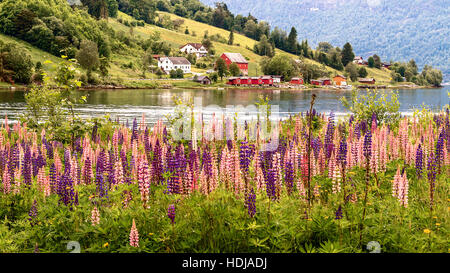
289, 177
367, 146
26, 166
419, 161
173, 185
134, 134
102, 188
342, 153
171, 213
33, 213
357, 130
244, 156
94, 132
440, 149
338, 213
250, 203
53, 177
350, 120
66, 192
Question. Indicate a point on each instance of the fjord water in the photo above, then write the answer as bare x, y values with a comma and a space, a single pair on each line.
157, 104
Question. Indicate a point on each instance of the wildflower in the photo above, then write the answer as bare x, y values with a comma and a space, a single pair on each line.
289, 177
95, 216
427, 231
134, 235
250, 203
338, 213
33, 213
106, 244
419, 161
171, 213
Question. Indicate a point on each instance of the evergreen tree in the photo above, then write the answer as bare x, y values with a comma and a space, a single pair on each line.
371, 62
347, 54
377, 61
292, 41
231, 37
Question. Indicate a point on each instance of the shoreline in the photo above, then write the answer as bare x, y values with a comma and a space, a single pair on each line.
227, 87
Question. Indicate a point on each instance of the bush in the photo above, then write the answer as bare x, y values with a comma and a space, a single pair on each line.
16, 62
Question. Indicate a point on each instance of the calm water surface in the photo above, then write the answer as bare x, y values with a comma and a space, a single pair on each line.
156, 104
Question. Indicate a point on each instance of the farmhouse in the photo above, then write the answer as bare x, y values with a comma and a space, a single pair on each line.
234, 81
203, 80
245, 80
367, 80
340, 80
276, 79
238, 59
267, 80
359, 60
173, 63
321, 81
296, 81
194, 48
386, 65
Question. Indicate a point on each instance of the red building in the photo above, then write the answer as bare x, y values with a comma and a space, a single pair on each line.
238, 59
234, 81
267, 80
296, 81
245, 80
256, 80
321, 81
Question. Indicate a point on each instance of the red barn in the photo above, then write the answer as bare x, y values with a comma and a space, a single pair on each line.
238, 59
296, 81
267, 80
256, 80
233, 81
245, 80
316, 82
325, 81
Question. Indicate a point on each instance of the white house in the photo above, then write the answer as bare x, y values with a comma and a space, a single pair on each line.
194, 48
173, 63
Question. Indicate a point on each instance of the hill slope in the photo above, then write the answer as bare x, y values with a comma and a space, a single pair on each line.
394, 29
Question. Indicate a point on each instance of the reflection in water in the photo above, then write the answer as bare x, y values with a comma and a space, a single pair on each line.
156, 104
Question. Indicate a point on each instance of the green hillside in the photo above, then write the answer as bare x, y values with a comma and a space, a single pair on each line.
124, 42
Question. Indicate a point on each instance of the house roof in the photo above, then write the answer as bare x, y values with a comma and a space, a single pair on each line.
194, 45
341, 76
266, 77
179, 60
296, 79
236, 58
202, 78
324, 79
366, 79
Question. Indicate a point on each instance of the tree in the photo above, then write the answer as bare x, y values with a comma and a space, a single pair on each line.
186, 31
377, 61
371, 62
324, 47
206, 42
281, 65
15, 63
231, 37
352, 70
312, 71
180, 10
335, 59
113, 8
87, 56
434, 77
347, 54
221, 67
234, 69
362, 72
179, 73
292, 41
264, 48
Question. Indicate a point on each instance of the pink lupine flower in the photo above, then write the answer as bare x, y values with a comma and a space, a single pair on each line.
134, 236
403, 196
6, 181
336, 180
95, 216
396, 182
